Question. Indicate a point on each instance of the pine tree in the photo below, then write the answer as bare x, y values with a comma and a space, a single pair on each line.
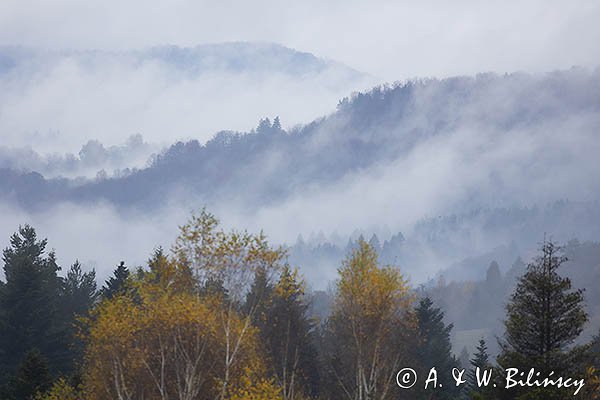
116, 284
29, 304
434, 349
544, 316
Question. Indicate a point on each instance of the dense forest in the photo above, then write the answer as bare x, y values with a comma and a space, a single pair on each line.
458, 247
223, 315
472, 294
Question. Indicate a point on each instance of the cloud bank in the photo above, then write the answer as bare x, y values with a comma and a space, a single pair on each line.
57, 101
389, 39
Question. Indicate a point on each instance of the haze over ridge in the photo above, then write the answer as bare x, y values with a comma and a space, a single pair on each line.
393, 155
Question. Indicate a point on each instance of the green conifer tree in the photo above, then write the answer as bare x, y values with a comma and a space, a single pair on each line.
288, 335
435, 350
30, 304
544, 316
79, 295
481, 360
116, 284
32, 378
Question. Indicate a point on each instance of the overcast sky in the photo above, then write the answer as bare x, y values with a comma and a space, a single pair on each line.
390, 39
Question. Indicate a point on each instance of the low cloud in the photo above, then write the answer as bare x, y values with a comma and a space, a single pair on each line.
55, 102
390, 39
467, 144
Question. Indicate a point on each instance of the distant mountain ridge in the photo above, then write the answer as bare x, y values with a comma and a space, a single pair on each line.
55, 101
464, 168
375, 131
234, 57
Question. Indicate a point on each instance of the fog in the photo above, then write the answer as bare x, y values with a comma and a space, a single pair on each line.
78, 81
509, 143
98, 237
390, 39
55, 102
92, 160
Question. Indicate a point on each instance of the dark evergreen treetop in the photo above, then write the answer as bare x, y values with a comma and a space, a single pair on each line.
32, 377
30, 303
79, 294
435, 348
481, 360
258, 296
544, 316
435, 334
116, 284
288, 334
79, 289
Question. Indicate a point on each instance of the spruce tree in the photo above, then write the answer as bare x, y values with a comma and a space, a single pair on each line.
79, 290
481, 360
29, 304
168, 273
435, 350
116, 284
157, 264
277, 125
288, 335
78, 297
32, 378
544, 316
257, 298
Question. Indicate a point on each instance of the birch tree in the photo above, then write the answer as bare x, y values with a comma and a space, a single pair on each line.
369, 328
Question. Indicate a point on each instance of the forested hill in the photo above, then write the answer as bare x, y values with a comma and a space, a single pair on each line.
235, 57
54, 101
488, 136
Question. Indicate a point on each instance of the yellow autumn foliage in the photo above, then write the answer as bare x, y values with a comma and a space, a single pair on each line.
370, 317
164, 344
261, 389
61, 390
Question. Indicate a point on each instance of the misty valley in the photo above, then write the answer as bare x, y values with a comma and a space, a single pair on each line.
242, 220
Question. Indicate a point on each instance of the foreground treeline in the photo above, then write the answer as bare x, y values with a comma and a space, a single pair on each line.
222, 316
